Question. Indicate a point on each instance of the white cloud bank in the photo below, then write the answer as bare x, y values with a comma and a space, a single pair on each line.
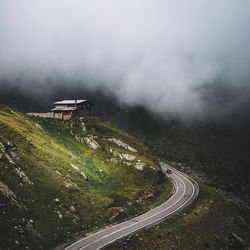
154, 52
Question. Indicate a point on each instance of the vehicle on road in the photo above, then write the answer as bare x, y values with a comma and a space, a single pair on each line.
169, 171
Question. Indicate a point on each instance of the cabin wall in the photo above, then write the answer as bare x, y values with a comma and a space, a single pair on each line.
58, 115
67, 115
62, 115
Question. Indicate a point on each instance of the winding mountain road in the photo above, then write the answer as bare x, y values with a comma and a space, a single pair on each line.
186, 190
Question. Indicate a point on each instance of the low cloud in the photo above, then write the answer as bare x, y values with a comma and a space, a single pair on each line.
166, 55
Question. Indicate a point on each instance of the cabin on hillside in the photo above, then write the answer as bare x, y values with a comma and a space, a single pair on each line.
67, 109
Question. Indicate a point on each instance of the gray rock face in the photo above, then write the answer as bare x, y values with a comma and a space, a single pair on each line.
39, 126
10, 144
82, 137
145, 195
140, 165
91, 141
84, 175
6, 150
4, 189
83, 126
122, 144
74, 167
72, 209
113, 160
118, 215
122, 156
77, 169
238, 238
128, 159
24, 178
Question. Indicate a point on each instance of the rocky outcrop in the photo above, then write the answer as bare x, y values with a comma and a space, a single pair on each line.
238, 238
119, 214
127, 159
9, 154
123, 145
66, 181
83, 125
77, 169
140, 165
71, 185
15, 113
74, 167
82, 137
84, 175
122, 156
136, 164
91, 141
144, 196
4, 189
79, 138
39, 126
23, 177
114, 160
73, 210
6, 151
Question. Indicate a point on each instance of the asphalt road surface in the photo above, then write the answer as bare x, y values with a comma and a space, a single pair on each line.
186, 190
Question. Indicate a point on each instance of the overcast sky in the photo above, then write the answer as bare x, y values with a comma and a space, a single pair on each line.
158, 53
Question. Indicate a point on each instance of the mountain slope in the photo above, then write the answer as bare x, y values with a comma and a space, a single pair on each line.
62, 177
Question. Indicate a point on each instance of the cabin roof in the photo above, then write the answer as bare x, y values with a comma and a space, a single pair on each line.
70, 102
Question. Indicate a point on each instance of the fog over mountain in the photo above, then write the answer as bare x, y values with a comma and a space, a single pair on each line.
171, 56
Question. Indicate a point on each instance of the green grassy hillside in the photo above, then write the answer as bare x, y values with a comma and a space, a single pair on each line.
59, 179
